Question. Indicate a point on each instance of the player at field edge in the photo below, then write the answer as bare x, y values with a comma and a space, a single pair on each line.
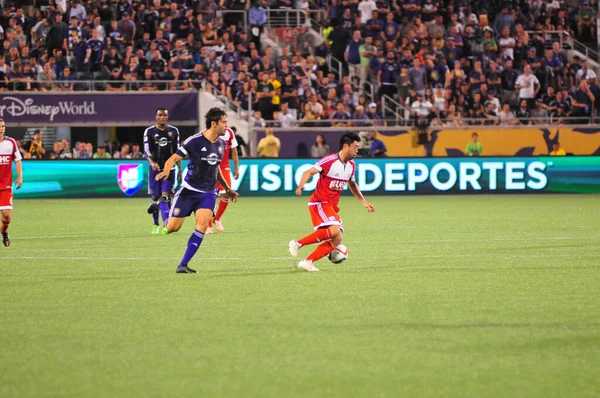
9, 153
230, 147
161, 140
198, 192
335, 172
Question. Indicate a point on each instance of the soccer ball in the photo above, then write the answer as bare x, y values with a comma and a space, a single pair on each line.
339, 254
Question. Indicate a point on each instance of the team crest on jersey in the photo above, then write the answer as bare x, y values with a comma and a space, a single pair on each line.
176, 211
220, 150
170, 134
130, 178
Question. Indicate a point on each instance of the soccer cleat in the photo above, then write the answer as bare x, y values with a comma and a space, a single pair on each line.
219, 226
152, 207
209, 231
155, 230
294, 247
5, 239
165, 231
307, 265
183, 269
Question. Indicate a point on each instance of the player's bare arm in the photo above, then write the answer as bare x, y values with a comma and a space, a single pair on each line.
230, 193
19, 181
168, 166
236, 164
353, 186
304, 179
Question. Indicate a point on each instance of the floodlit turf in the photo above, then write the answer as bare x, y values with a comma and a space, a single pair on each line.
447, 296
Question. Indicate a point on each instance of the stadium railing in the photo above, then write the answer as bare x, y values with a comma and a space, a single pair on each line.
98, 85
374, 124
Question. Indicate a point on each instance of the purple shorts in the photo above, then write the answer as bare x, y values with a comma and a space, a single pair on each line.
156, 188
186, 202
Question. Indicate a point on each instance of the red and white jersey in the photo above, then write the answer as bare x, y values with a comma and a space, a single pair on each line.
230, 143
333, 178
9, 153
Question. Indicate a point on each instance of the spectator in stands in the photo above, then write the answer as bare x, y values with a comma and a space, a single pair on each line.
285, 117
257, 18
36, 146
242, 145
320, 148
66, 152
506, 116
540, 114
124, 153
101, 153
523, 114
557, 150
57, 149
257, 121
377, 148
528, 86
268, 147
115, 82
586, 21
474, 148
135, 152
582, 101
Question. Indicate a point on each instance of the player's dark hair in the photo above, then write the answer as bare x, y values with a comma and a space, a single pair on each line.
214, 115
161, 109
348, 139
233, 128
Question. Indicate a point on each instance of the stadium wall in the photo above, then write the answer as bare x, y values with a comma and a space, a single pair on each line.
451, 142
279, 177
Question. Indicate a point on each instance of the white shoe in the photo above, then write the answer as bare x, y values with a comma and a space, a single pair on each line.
294, 247
307, 265
219, 226
209, 231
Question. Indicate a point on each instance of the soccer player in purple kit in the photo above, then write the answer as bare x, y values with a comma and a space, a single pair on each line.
198, 191
160, 143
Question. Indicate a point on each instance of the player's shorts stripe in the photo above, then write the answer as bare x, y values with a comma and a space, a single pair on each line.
6, 207
174, 202
322, 213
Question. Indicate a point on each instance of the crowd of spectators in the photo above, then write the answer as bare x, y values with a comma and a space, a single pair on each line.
62, 149
445, 61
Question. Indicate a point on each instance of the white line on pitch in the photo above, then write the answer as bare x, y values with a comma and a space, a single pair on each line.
151, 259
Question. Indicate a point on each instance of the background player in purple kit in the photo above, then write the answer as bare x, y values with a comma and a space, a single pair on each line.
198, 191
160, 143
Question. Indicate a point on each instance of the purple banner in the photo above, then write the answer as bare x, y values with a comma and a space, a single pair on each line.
97, 108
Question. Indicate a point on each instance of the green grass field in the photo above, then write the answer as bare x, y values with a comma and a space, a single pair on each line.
447, 296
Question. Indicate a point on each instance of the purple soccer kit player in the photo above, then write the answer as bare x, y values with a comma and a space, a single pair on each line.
160, 143
198, 192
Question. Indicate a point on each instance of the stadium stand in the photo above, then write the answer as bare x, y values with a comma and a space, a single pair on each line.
301, 63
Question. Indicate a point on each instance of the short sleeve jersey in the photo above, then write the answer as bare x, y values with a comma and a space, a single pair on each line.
204, 159
230, 143
333, 178
9, 153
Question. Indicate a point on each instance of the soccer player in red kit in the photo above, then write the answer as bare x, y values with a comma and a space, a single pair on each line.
9, 153
230, 147
335, 172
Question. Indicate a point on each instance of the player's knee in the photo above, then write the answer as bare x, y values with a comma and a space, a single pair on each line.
6, 217
335, 231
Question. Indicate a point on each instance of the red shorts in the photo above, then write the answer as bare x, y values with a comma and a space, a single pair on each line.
227, 176
6, 199
324, 215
